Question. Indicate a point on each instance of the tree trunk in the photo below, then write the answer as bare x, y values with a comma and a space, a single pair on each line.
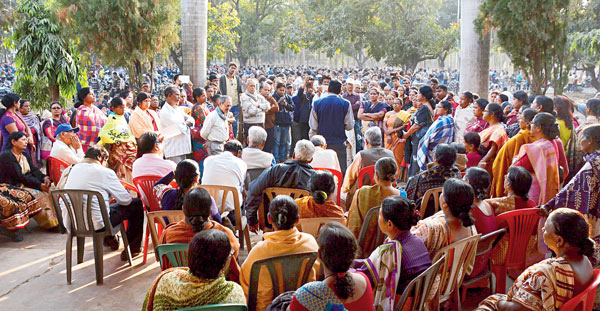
474, 51
591, 71
194, 23
175, 58
54, 92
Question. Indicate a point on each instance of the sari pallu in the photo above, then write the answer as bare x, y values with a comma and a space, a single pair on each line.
177, 288
17, 205
543, 156
383, 268
545, 286
504, 159
440, 132
35, 127
116, 136
365, 198
434, 232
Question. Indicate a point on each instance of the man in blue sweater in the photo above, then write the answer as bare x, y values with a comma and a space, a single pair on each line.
330, 117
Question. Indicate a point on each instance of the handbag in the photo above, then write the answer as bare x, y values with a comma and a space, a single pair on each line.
195, 132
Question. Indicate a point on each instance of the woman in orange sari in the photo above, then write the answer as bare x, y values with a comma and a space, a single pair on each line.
493, 137
543, 157
320, 203
394, 122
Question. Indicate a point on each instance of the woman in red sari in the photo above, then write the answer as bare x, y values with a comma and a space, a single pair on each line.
493, 137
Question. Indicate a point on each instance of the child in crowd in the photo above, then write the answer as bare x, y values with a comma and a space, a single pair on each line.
472, 141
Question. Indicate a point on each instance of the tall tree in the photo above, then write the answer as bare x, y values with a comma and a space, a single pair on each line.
47, 63
193, 35
124, 33
533, 34
584, 36
474, 51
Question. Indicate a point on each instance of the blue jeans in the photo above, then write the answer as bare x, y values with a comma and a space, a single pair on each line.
282, 138
236, 114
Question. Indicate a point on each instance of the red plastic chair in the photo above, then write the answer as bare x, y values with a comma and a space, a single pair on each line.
370, 170
146, 184
55, 167
340, 179
521, 223
130, 187
584, 301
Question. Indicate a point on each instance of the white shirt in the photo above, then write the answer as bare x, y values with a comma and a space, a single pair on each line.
180, 144
215, 128
256, 158
225, 169
104, 181
325, 158
66, 153
462, 118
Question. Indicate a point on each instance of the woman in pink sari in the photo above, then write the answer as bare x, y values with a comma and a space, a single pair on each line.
543, 157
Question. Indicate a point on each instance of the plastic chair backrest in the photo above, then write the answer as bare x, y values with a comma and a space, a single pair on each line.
460, 255
370, 220
312, 225
420, 287
159, 217
584, 301
219, 194
78, 205
175, 253
255, 172
521, 223
290, 267
218, 307
431, 194
339, 179
368, 170
55, 168
146, 185
271, 193
488, 242
130, 187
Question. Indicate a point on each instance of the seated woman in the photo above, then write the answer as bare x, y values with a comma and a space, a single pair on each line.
186, 175
544, 158
196, 208
549, 284
453, 223
17, 169
368, 197
341, 289
285, 240
320, 203
581, 193
116, 137
485, 218
401, 258
201, 282
16, 207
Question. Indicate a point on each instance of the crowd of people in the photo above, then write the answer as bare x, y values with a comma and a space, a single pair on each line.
489, 153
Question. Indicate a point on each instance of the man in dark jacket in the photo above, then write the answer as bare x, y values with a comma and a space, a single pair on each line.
291, 174
303, 105
283, 121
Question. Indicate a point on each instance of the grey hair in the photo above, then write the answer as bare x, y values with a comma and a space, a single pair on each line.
223, 99
318, 141
373, 136
304, 150
257, 135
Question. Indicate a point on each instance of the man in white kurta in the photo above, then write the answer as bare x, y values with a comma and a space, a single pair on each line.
175, 126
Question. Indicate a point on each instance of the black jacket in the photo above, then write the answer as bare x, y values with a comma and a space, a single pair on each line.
291, 174
284, 116
10, 172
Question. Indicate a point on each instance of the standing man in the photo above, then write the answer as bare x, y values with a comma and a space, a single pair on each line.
176, 124
354, 100
331, 117
265, 91
216, 126
116, 85
283, 121
254, 106
303, 105
231, 85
